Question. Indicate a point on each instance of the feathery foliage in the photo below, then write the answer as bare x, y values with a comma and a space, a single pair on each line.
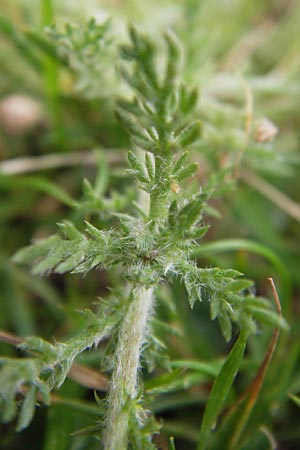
147, 249
86, 51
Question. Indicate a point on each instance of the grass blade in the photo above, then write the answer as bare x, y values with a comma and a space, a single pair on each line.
221, 389
254, 389
38, 183
20, 42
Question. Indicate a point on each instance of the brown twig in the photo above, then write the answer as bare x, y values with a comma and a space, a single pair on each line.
10, 338
37, 163
275, 295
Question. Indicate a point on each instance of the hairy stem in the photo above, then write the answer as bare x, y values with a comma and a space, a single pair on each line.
123, 385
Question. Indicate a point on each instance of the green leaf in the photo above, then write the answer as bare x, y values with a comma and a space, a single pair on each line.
142, 427
171, 104
100, 236
130, 124
44, 390
88, 190
187, 99
250, 300
225, 324
174, 59
141, 42
214, 307
180, 163
189, 134
127, 52
37, 345
187, 171
173, 212
197, 233
145, 52
212, 368
71, 262
49, 263
130, 107
137, 167
221, 388
150, 166
32, 252
173, 44
193, 291
239, 285
191, 213
268, 317
69, 230
144, 144
27, 409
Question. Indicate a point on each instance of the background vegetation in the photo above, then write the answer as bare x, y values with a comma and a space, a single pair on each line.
244, 58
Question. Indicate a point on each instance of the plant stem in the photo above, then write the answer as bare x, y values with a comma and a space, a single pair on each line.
123, 385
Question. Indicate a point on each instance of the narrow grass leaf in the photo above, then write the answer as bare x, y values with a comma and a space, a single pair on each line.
295, 399
40, 184
20, 42
221, 389
207, 368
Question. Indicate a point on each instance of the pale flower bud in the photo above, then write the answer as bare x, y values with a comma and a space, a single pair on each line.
175, 187
264, 130
19, 113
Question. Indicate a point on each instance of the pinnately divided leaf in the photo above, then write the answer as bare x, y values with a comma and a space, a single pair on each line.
46, 368
76, 252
